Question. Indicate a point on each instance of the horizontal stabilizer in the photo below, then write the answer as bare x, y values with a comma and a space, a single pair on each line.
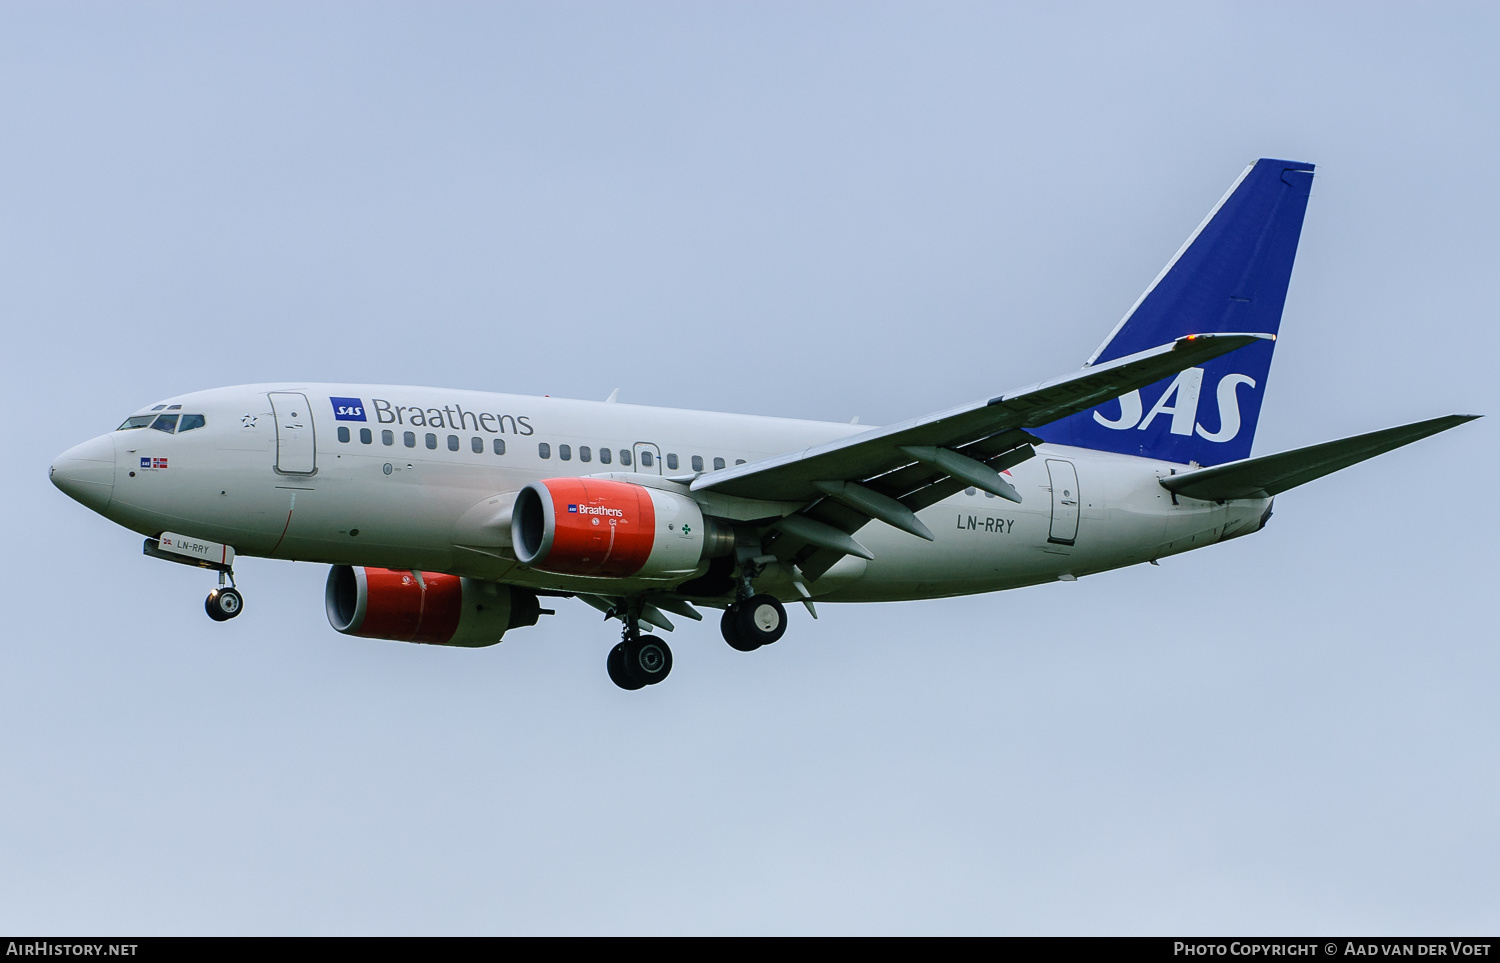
1272, 474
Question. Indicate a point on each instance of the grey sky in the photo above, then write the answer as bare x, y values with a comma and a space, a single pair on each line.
873, 210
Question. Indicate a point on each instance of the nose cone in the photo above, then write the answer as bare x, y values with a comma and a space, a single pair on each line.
86, 472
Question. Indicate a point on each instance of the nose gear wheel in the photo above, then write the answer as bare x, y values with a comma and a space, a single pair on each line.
223, 604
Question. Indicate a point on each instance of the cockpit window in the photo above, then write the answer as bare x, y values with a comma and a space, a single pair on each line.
189, 422
136, 421
167, 423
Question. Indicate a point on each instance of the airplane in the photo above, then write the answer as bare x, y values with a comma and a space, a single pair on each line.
449, 516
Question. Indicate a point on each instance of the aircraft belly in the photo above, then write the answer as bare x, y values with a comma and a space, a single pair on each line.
980, 545
205, 497
1204, 523
989, 544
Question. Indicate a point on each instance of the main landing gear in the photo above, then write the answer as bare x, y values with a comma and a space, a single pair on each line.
752, 620
639, 660
224, 602
756, 621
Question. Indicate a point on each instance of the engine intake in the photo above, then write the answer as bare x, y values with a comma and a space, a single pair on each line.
430, 607
611, 529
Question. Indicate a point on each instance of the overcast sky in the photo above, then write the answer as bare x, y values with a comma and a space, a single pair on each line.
807, 210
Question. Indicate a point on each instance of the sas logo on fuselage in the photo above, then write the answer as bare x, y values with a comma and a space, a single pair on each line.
153, 462
574, 509
348, 409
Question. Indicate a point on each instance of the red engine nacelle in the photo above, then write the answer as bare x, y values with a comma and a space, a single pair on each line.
610, 529
381, 603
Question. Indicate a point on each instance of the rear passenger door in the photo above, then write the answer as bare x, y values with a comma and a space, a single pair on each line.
1064, 481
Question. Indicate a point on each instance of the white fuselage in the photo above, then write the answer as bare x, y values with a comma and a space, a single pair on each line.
421, 484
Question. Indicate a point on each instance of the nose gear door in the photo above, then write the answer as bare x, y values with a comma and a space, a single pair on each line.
296, 453
1064, 502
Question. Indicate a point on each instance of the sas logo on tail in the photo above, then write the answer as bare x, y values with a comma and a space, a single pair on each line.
1180, 401
348, 409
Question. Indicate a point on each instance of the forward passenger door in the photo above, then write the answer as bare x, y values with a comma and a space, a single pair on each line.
296, 451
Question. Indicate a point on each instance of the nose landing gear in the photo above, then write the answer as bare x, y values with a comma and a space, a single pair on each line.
639, 660
224, 602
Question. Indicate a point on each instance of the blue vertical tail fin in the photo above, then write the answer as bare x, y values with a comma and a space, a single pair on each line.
1230, 276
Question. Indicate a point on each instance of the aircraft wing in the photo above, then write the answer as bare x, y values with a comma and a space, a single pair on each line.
794, 476
893, 472
1272, 474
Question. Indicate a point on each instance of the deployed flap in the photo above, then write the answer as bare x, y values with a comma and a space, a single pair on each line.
1271, 474
614, 608
793, 477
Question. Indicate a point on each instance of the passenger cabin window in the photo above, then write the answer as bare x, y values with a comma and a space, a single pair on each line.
135, 421
565, 452
697, 463
476, 444
739, 461
605, 456
718, 464
409, 438
344, 434
499, 446
453, 443
366, 436
585, 453
671, 461
625, 457
647, 459
189, 422
431, 441
387, 437
544, 450
167, 423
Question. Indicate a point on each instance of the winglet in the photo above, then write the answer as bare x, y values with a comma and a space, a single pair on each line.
1187, 339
